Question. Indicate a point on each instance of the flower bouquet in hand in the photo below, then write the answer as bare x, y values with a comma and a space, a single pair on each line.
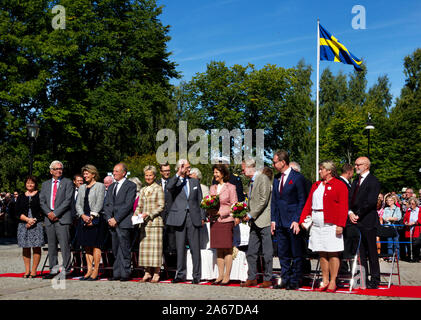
239, 210
211, 205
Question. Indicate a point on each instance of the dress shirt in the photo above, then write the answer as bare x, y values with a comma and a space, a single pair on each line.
317, 200
286, 174
346, 180
119, 183
52, 190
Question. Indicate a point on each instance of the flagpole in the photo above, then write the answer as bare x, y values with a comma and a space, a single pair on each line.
317, 102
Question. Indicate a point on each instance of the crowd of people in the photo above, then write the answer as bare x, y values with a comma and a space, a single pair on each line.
287, 216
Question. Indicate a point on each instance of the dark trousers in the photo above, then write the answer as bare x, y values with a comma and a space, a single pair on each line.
58, 233
368, 252
290, 253
187, 231
260, 237
121, 243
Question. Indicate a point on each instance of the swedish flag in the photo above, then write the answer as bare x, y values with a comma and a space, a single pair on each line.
332, 50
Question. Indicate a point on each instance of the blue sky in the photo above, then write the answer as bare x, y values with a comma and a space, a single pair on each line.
283, 32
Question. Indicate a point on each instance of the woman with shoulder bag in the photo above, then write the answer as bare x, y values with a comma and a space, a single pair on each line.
392, 215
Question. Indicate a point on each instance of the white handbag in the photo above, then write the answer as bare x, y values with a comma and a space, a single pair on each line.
308, 222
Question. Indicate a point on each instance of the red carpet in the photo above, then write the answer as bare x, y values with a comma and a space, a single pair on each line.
393, 291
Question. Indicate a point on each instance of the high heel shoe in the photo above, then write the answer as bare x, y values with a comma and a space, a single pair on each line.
225, 283
93, 279
32, 276
155, 278
146, 278
216, 283
322, 288
332, 290
26, 276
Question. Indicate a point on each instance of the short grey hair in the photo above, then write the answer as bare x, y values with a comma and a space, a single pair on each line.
250, 163
150, 168
197, 172
138, 183
294, 165
179, 163
417, 202
56, 162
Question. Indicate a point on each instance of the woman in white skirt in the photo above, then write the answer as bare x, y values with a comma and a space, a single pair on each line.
327, 204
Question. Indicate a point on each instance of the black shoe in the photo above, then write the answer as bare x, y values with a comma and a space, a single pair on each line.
84, 279
176, 280
49, 276
195, 281
283, 285
124, 279
294, 286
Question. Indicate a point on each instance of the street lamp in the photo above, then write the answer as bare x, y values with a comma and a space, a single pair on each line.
369, 127
32, 131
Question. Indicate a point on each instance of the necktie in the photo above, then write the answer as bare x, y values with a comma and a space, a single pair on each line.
281, 186
115, 191
250, 188
186, 189
54, 193
164, 184
355, 191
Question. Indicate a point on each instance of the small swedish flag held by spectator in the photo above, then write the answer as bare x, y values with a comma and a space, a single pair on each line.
332, 50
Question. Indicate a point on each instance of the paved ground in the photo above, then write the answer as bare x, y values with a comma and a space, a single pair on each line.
38, 289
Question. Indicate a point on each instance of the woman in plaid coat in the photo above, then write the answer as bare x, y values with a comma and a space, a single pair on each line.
151, 204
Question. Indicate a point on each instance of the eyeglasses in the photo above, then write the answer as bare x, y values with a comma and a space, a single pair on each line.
165, 170
359, 164
55, 169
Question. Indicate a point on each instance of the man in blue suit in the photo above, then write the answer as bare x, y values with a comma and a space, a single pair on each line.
288, 199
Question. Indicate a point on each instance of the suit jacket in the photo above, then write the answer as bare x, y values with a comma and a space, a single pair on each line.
95, 198
151, 202
236, 181
177, 212
259, 201
286, 208
121, 207
62, 208
227, 197
168, 201
365, 204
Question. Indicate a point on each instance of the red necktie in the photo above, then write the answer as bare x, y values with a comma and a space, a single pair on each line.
281, 187
54, 193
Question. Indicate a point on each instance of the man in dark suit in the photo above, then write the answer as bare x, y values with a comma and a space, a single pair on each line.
351, 234
118, 211
362, 212
169, 242
288, 199
187, 217
55, 198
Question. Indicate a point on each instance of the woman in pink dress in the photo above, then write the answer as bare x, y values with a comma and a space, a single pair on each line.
221, 231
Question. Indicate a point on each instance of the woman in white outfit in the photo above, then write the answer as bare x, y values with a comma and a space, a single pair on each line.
327, 204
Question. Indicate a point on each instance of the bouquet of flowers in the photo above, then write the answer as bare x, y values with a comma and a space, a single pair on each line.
211, 204
239, 210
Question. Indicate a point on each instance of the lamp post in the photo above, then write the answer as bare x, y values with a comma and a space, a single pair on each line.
369, 127
32, 131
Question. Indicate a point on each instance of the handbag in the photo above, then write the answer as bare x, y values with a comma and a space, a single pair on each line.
308, 222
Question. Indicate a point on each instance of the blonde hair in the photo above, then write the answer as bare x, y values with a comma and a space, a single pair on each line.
150, 168
92, 170
329, 165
